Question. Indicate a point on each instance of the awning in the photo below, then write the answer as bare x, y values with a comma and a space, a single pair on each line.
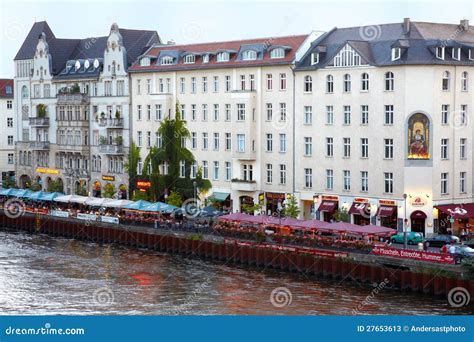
386, 210
359, 208
328, 206
457, 211
219, 196
418, 214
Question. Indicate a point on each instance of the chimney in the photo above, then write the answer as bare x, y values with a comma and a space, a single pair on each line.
171, 42
406, 25
464, 24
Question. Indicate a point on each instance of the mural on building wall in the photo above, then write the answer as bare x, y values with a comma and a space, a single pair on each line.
418, 137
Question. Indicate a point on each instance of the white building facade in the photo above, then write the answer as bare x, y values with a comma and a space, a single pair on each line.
8, 138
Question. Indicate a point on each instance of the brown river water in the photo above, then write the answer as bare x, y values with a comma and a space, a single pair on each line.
55, 276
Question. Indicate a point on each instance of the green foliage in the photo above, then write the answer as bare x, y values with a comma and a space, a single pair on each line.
103, 140
131, 165
55, 186
203, 185
8, 183
174, 199
34, 186
41, 110
75, 89
109, 191
117, 114
81, 190
291, 208
251, 208
341, 215
119, 140
140, 195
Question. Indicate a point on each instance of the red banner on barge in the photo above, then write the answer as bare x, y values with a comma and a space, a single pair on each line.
414, 255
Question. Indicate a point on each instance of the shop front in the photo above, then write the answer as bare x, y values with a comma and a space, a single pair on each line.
360, 211
417, 221
327, 208
454, 218
388, 213
221, 200
273, 198
96, 189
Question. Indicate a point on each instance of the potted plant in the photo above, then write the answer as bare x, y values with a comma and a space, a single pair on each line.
117, 114
118, 140
102, 140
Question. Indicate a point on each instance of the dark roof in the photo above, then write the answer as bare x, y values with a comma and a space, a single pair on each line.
6, 88
261, 45
136, 42
374, 44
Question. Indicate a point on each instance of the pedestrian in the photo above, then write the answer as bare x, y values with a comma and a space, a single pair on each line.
421, 247
444, 249
452, 249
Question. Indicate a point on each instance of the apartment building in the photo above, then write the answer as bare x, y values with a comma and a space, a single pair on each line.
8, 138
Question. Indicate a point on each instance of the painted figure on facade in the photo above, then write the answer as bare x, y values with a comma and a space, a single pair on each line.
418, 137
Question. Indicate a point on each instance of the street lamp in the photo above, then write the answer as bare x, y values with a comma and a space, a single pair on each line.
405, 222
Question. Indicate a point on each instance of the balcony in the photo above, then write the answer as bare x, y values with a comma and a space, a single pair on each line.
111, 149
73, 99
244, 185
111, 123
39, 122
39, 145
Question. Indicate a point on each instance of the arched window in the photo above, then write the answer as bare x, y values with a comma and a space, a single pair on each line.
99, 163
308, 84
24, 92
464, 81
277, 53
166, 60
249, 55
329, 84
364, 82
389, 81
347, 57
189, 59
223, 56
347, 83
419, 137
446, 80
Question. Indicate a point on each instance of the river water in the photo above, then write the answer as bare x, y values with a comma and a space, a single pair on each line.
45, 275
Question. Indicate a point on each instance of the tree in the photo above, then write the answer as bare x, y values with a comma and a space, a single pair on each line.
81, 190
251, 208
109, 190
341, 215
55, 186
131, 166
8, 183
139, 195
291, 208
174, 199
35, 186
203, 185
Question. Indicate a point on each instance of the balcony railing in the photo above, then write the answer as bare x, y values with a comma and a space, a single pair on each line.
39, 122
244, 185
39, 145
73, 98
111, 149
112, 123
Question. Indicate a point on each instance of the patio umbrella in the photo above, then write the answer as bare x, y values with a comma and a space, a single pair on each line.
6, 192
50, 196
36, 196
23, 193
138, 205
97, 202
210, 211
117, 203
79, 199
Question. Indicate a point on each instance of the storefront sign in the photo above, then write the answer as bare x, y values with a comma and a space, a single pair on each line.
417, 202
47, 171
330, 198
143, 184
387, 202
414, 255
88, 217
361, 200
108, 178
109, 219
59, 213
275, 196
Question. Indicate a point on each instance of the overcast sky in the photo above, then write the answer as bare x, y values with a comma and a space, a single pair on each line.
201, 21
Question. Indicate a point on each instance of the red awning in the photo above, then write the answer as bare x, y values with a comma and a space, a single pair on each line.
328, 206
359, 208
386, 210
418, 214
457, 211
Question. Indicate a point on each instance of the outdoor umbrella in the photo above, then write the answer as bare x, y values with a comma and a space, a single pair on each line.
36, 196
210, 211
97, 202
138, 205
117, 203
6, 192
50, 196
24, 193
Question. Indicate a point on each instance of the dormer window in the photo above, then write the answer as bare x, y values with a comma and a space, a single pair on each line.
8, 90
396, 53
205, 58
277, 53
440, 52
145, 61
471, 55
456, 54
189, 59
166, 60
77, 65
314, 58
249, 55
223, 56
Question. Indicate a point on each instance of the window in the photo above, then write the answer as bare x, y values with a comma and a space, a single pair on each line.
47, 90
329, 115
364, 148
145, 61
282, 143
204, 84
462, 148
396, 53
308, 115
215, 170
388, 148
364, 82
182, 85
194, 168
228, 141
444, 183
364, 115
189, 59
148, 111
269, 82
166, 60
158, 140
24, 92
347, 83
389, 81
216, 112
308, 84
456, 54
182, 169
282, 81
10, 140
346, 180
249, 55
242, 82
9, 122
193, 112
139, 139
205, 169
193, 85
282, 112
269, 142
269, 112
464, 81
148, 86
347, 57
120, 88
269, 173
248, 172
314, 58
216, 84
462, 182
388, 117
282, 174
364, 181
183, 112
388, 182
223, 56
9, 104
308, 178
227, 112
205, 58
440, 52
346, 142
240, 142
347, 115
463, 117
216, 142
277, 53
444, 114
329, 84
240, 111
228, 85
148, 139
252, 82
193, 140
204, 112
228, 171
446, 80
444, 148
139, 112
329, 179
329, 147
10, 158
205, 143
308, 146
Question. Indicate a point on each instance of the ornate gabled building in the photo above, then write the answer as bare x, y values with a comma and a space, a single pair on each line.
73, 108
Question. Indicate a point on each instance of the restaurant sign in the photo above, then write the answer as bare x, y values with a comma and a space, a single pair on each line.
47, 171
417, 202
414, 255
361, 200
330, 198
143, 184
387, 202
108, 178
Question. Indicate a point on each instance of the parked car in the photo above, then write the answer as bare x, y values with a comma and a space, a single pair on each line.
464, 251
440, 240
469, 243
412, 238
